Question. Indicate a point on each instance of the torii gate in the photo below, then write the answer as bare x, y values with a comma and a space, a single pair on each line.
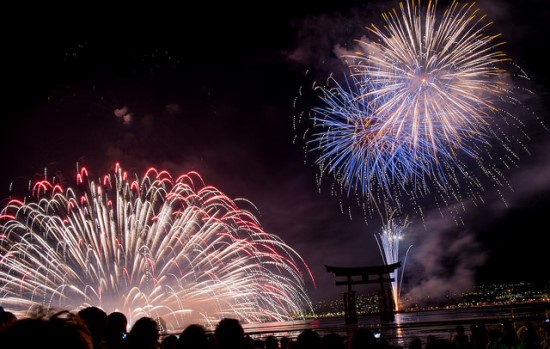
387, 306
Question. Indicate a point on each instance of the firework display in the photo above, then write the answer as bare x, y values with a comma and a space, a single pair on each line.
427, 113
438, 78
355, 148
421, 114
424, 112
173, 249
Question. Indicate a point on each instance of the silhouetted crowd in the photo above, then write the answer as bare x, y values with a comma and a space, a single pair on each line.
93, 328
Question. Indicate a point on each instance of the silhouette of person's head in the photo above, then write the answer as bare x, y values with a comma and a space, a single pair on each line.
169, 342
258, 343
284, 342
308, 339
6, 318
440, 343
509, 335
479, 335
415, 343
192, 337
362, 338
117, 326
62, 330
546, 326
528, 334
144, 334
460, 339
96, 320
229, 334
271, 342
333, 341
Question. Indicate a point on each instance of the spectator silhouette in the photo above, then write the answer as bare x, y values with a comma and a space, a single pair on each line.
248, 342
62, 330
284, 342
271, 342
169, 342
528, 336
6, 318
362, 338
494, 339
229, 334
96, 320
440, 343
509, 336
258, 343
460, 338
144, 334
545, 333
116, 331
478, 336
332, 341
415, 343
193, 337
308, 339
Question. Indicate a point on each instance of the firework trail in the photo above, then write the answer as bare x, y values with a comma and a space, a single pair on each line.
173, 249
426, 110
388, 243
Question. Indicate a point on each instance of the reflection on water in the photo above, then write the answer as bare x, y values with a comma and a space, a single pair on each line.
439, 323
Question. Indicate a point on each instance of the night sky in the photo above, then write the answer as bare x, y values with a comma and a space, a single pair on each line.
211, 88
